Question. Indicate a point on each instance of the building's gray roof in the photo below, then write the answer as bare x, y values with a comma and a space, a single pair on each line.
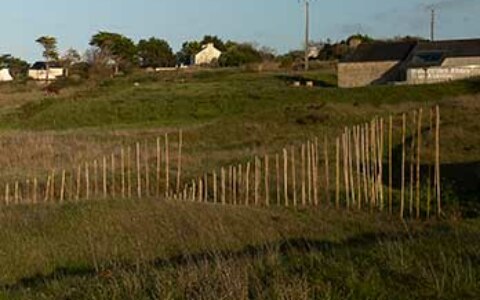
429, 54
381, 51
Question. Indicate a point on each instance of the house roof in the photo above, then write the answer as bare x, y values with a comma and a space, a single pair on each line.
381, 51
429, 54
41, 65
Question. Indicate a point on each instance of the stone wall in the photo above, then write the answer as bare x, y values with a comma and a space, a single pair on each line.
461, 61
441, 74
365, 73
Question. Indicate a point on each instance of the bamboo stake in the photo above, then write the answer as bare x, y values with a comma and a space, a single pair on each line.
285, 176
147, 172
194, 191
309, 174
419, 152
122, 171
205, 180
304, 192
139, 174
315, 171
267, 182
28, 198
373, 138
7, 194
390, 165
87, 182
129, 172
247, 185
358, 165
224, 200
337, 175
350, 167
104, 177
364, 162
113, 181
412, 161
35, 189
79, 174
215, 199
345, 169
430, 161
159, 165
62, 189
294, 175
230, 184
327, 171
277, 170
200, 190
52, 189
437, 162
95, 178
241, 191
234, 184
369, 199
179, 160
167, 166
16, 193
257, 180
381, 149
402, 192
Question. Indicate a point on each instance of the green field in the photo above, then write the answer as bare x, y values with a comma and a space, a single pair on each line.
158, 249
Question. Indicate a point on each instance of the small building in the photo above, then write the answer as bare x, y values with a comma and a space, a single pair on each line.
207, 55
5, 75
38, 71
410, 62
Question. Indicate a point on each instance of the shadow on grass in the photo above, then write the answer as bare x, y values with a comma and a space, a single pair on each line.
284, 247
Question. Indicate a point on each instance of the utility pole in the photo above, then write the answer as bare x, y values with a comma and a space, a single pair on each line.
432, 25
307, 33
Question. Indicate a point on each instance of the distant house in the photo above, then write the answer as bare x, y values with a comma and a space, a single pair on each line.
38, 71
5, 75
410, 62
207, 55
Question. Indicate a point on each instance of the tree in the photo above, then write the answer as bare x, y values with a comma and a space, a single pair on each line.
18, 68
116, 47
215, 40
239, 54
69, 58
189, 49
155, 53
50, 52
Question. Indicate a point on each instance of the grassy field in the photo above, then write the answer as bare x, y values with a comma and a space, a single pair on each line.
156, 249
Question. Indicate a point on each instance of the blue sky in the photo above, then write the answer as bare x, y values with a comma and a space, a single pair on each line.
274, 23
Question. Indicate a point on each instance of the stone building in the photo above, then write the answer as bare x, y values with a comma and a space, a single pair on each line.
411, 62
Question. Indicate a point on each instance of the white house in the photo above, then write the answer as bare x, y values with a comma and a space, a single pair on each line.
208, 54
38, 71
5, 75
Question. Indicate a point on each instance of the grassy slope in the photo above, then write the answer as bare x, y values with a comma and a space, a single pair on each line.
125, 250
141, 250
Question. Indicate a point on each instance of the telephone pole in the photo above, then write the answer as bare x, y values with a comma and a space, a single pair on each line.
307, 33
432, 25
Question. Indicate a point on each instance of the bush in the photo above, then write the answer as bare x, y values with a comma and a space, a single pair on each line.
239, 55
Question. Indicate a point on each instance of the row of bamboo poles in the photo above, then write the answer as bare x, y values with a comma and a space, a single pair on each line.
129, 172
363, 172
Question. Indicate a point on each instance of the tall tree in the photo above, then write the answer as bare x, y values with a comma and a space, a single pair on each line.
215, 40
155, 53
117, 47
50, 52
18, 68
189, 49
69, 58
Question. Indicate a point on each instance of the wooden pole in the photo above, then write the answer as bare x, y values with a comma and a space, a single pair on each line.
79, 177
358, 165
113, 181
257, 179
230, 184
437, 162
247, 184
122, 167
430, 161
381, 149
215, 199
129, 172
304, 191
390, 165
167, 166
285, 176
28, 195
327, 171
139, 174
345, 169
402, 189
412, 161
62, 189
16, 193
194, 191
350, 167
234, 184
241, 191
337, 175
294, 175
363, 145
368, 198
95, 178
7, 194
205, 180
277, 169
159, 165
179, 160
87, 181
315, 171
419, 153
224, 200
373, 143
35, 189
52, 189
309, 173
200, 190
267, 182
147, 172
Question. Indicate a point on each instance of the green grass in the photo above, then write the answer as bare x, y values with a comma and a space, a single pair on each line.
163, 250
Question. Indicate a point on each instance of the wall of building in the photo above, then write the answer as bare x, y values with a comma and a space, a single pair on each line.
365, 73
207, 55
53, 73
441, 74
461, 61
